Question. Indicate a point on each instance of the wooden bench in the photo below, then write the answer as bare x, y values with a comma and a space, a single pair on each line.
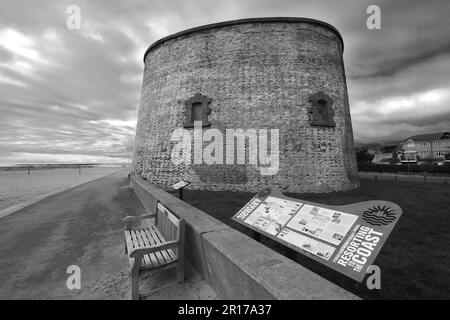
154, 246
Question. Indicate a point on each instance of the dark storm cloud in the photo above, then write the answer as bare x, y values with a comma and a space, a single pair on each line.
76, 92
396, 66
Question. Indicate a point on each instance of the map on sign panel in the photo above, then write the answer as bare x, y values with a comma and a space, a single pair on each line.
272, 214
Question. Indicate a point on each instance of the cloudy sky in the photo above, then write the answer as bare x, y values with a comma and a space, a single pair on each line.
72, 95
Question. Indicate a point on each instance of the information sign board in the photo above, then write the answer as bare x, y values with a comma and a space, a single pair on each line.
180, 184
345, 238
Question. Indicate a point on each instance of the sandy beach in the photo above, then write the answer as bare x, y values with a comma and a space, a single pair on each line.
19, 186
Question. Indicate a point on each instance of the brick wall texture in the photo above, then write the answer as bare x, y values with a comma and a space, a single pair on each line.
258, 75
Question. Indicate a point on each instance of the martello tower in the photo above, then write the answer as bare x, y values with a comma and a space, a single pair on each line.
259, 73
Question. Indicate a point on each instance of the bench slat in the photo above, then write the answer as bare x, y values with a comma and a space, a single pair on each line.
169, 223
172, 231
153, 258
173, 219
163, 225
166, 228
160, 240
171, 253
134, 242
146, 260
129, 240
169, 257
150, 242
134, 238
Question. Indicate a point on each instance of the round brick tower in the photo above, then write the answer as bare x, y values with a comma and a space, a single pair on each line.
284, 74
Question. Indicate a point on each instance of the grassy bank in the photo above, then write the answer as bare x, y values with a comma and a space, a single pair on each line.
415, 261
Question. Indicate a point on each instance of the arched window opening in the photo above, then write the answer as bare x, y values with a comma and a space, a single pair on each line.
197, 109
321, 112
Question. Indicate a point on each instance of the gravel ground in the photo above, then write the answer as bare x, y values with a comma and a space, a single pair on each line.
19, 186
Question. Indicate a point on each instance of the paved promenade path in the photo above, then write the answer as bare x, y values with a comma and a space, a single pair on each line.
81, 226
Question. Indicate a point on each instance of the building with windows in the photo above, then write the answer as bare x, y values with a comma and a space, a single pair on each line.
425, 147
386, 154
251, 74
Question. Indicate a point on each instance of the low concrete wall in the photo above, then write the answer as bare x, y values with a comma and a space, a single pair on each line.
197, 222
235, 265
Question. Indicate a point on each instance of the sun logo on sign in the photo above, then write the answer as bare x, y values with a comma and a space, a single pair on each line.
379, 215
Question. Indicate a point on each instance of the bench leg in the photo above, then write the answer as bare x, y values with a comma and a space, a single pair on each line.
134, 285
180, 272
135, 279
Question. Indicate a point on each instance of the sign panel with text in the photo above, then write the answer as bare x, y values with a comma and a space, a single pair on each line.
180, 185
345, 238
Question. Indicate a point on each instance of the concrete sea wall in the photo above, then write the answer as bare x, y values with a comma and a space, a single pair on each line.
235, 265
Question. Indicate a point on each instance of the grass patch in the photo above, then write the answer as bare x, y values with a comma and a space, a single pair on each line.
415, 260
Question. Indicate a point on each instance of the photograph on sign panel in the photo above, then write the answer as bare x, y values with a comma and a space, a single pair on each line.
272, 214
308, 244
323, 224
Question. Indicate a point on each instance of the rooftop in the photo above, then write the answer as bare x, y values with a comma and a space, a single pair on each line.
430, 136
388, 149
244, 21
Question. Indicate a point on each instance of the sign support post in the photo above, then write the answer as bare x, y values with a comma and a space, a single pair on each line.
180, 186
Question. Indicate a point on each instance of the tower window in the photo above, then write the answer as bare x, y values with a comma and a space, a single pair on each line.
321, 112
197, 109
197, 112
